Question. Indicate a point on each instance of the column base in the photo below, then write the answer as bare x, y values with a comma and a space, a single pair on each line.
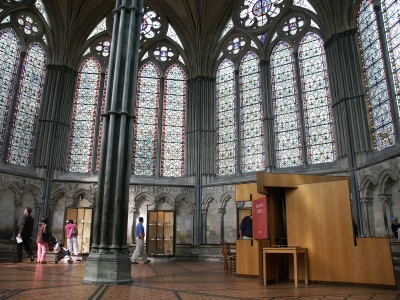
107, 268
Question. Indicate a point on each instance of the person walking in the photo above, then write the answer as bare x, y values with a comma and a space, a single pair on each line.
139, 244
42, 239
71, 232
24, 235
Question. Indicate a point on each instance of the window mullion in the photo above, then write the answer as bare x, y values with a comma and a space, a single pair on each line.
238, 123
160, 126
303, 134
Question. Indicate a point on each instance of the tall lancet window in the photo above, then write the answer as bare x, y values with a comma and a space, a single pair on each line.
9, 61
172, 150
380, 104
146, 121
318, 123
252, 146
84, 117
286, 107
27, 107
303, 129
226, 119
22, 71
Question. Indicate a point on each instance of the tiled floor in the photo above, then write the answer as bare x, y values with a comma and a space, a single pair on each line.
164, 280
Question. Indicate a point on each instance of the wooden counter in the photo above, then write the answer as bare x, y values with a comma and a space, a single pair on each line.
285, 250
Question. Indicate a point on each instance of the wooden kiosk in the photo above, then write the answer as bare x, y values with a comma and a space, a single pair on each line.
314, 213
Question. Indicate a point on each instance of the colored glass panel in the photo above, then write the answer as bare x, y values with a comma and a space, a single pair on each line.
226, 119
146, 123
390, 10
27, 105
172, 149
84, 117
316, 100
286, 107
9, 60
379, 109
252, 146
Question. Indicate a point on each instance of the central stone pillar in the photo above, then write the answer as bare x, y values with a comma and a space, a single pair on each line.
108, 261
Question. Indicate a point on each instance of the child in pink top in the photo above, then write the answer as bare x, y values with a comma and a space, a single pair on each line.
71, 232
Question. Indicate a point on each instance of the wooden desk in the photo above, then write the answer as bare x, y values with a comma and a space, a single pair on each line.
285, 250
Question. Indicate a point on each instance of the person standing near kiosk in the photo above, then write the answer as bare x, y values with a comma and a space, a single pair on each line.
246, 228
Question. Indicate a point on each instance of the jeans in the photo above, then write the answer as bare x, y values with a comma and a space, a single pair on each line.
139, 250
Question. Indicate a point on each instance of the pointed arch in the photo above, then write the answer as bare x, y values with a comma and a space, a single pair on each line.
384, 177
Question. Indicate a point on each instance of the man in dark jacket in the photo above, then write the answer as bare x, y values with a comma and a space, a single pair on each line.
246, 228
24, 235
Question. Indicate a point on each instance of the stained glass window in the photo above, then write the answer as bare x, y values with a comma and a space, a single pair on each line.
172, 34
255, 13
146, 122
27, 105
316, 100
172, 149
228, 27
9, 60
286, 107
305, 4
83, 126
379, 109
102, 26
390, 9
39, 5
251, 125
151, 25
226, 119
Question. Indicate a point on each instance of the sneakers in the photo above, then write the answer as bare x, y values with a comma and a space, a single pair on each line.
134, 262
32, 258
78, 259
147, 261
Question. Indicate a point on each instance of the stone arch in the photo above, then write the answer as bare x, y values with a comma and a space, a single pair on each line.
385, 178
185, 198
15, 190
138, 207
57, 195
140, 198
11, 211
365, 184
229, 218
206, 201
82, 194
368, 188
163, 201
225, 198
184, 213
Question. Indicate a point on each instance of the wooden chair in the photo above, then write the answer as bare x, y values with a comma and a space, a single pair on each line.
229, 253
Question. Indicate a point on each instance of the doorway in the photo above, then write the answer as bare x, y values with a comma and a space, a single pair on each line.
82, 217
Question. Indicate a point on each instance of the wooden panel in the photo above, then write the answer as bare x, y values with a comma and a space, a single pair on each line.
243, 191
265, 180
319, 218
276, 230
248, 256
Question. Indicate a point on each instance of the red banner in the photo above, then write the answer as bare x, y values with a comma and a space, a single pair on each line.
260, 227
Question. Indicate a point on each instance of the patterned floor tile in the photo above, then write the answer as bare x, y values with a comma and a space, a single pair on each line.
188, 280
